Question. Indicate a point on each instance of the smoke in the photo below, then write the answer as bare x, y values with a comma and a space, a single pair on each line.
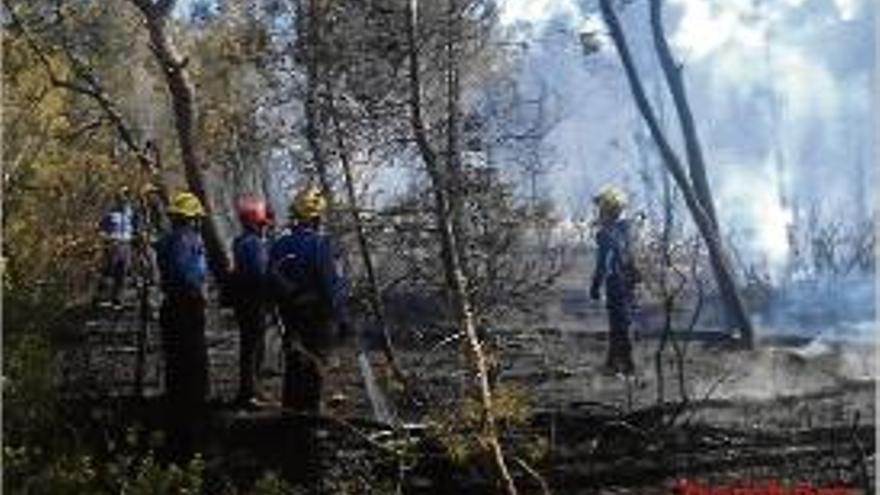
517, 11
781, 91
820, 367
762, 220
830, 308
806, 98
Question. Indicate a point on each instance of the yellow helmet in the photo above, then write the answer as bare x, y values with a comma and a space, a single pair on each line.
610, 201
309, 203
187, 204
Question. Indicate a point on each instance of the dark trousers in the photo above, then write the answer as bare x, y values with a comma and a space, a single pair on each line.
619, 306
306, 341
250, 314
182, 320
117, 261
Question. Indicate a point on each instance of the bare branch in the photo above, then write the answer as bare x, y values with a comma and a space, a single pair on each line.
91, 89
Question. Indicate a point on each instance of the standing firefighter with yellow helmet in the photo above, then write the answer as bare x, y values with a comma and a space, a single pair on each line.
311, 295
183, 272
616, 271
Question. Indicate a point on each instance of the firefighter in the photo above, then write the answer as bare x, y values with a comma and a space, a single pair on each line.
250, 293
183, 272
311, 293
616, 271
118, 229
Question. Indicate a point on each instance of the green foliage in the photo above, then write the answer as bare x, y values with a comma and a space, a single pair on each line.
40, 458
271, 484
51, 239
150, 478
29, 400
460, 431
38, 454
29, 471
58, 176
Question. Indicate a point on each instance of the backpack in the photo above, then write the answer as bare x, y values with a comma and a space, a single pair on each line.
624, 261
294, 282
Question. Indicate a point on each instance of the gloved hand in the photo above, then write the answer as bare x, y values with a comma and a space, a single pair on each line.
594, 292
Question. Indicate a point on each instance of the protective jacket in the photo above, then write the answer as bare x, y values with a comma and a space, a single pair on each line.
614, 263
303, 271
183, 267
250, 252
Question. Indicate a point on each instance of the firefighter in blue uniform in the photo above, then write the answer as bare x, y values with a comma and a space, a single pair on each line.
311, 296
616, 271
250, 293
183, 271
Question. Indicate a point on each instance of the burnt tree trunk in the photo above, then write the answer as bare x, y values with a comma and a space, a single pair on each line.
707, 226
675, 82
456, 278
180, 88
455, 172
697, 168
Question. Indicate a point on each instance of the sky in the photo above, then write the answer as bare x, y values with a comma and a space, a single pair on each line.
770, 81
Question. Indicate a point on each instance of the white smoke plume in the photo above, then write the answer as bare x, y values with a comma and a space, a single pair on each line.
781, 90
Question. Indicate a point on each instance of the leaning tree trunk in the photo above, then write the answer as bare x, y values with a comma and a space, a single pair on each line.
707, 227
180, 88
675, 82
456, 279
366, 255
697, 168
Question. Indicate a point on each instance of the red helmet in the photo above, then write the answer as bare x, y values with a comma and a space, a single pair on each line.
252, 211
